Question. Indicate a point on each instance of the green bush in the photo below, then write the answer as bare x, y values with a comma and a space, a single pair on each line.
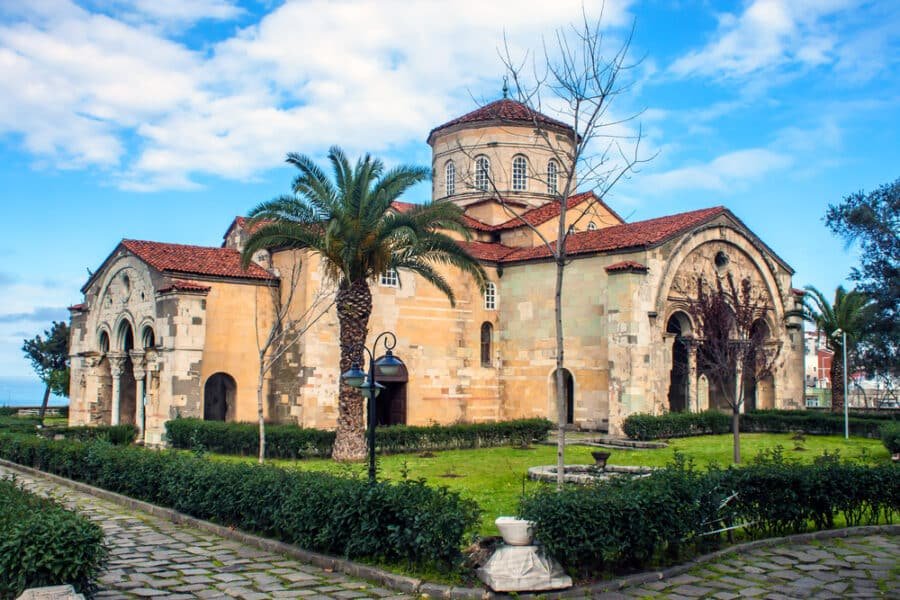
118, 435
890, 437
632, 522
290, 441
684, 424
348, 517
13, 424
43, 544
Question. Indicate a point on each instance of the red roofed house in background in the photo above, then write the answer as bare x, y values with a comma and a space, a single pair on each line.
168, 329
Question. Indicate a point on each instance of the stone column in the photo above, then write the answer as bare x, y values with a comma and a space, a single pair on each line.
137, 360
692, 398
116, 368
151, 399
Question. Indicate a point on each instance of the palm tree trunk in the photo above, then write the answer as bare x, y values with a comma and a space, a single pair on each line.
837, 381
354, 305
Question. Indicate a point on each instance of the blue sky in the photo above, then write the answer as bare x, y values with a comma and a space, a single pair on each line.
162, 119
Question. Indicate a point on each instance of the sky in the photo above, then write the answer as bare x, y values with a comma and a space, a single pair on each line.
163, 119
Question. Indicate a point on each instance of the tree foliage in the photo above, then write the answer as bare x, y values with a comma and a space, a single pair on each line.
873, 221
734, 349
49, 356
348, 220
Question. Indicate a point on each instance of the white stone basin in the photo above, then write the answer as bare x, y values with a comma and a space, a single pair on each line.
515, 531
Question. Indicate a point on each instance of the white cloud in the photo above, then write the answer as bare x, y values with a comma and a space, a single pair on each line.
115, 90
767, 34
721, 174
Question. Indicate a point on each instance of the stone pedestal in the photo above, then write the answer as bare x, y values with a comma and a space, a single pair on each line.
56, 592
522, 569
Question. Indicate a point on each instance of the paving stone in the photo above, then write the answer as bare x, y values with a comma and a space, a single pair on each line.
692, 591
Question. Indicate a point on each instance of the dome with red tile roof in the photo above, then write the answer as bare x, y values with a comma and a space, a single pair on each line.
502, 111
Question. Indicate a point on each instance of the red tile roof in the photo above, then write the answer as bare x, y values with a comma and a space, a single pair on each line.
79, 306
504, 110
798, 292
489, 251
195, 260
626, 265
641, 234
402, 207
181, 285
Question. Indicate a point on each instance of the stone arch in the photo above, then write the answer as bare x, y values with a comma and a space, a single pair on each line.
219, 397
124, 339
568, 391
679, 329
103, 340
760, 393
148, 336
730, 236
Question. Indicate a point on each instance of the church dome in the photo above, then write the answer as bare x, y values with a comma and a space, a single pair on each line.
500, 112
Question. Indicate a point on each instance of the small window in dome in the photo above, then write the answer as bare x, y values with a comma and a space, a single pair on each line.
552, 177
482, 173
450, 178
519, 174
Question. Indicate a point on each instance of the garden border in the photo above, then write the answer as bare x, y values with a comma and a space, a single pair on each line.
414, 585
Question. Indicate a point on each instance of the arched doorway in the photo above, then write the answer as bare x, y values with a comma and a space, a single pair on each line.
390, 405
758, 393
219, 397
568, 392
127, 383
679, 326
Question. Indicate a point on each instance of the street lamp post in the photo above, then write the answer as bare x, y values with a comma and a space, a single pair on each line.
368, 384
846, 384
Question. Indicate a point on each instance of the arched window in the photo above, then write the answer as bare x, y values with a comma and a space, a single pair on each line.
592, 226
450, 178
487, 331
148, 339
482, 173
519, 174
104, 342
552, 177
490, 296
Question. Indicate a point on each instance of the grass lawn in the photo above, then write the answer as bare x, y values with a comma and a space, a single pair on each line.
496, 477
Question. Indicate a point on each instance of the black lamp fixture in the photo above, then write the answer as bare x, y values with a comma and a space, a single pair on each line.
367, 383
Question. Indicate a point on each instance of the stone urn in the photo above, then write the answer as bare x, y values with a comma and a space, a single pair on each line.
600, 458
515, 531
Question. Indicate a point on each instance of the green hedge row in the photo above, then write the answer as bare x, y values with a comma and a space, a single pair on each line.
43, 544
629, 523
890, 437
118, 435
683, 424
346, 517
290, 441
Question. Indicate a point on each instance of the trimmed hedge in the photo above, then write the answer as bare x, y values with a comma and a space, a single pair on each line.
118, 435
43, 544
712, 422
290, 441
320, 512
629, 523
890, 437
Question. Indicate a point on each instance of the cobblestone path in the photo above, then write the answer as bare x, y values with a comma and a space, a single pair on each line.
853, 567
154, 558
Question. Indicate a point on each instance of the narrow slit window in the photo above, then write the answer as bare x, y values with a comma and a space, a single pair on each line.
482, 173
450, 178
487, 332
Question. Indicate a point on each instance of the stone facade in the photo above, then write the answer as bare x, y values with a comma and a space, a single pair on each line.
169, 330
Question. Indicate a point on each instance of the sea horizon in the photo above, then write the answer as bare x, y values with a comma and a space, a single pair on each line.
26, 391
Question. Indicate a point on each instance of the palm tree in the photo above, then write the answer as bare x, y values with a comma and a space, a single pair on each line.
349, 223
849, 313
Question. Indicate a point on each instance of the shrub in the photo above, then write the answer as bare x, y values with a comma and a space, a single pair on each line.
13, 424
291, 441
631, 522
43, 544
890, 437
349, 517
683, 424
118, 435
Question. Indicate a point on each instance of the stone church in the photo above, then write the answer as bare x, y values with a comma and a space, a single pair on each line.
169, 330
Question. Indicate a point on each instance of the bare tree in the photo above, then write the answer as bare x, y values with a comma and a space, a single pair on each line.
285, 330
733, 349
580, 79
